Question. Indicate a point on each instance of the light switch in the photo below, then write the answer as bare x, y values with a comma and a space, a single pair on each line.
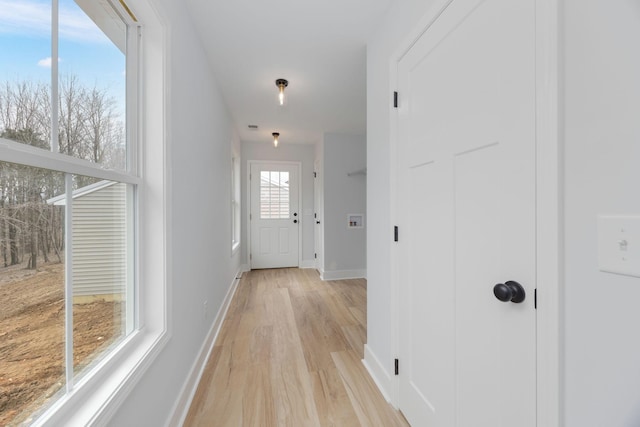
619, 244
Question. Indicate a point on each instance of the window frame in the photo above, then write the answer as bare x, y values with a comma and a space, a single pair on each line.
96, 395
235, 204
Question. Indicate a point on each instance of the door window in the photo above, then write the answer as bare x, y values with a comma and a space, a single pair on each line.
274, 195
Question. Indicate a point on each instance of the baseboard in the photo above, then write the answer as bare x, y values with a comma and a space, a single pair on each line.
243, 269
343, 274
181, 408
378, 373
308, 263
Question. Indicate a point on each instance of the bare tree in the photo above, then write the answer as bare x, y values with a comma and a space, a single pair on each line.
88, 128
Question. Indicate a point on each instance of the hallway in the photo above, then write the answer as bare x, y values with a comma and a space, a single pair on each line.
289, 354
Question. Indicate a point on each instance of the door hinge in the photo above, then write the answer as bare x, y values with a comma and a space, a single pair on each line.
395, 99
396, 364
395, 233
535, 298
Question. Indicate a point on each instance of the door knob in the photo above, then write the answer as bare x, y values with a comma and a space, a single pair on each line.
295, 221
509, 291
295, 214
317, 222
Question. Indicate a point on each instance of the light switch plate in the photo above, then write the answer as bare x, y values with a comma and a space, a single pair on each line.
619, 244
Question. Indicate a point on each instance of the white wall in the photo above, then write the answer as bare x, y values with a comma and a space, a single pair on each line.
602, 176
400, 19
199, 152
344, 248
285, 152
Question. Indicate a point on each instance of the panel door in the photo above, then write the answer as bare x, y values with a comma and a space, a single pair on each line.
274, 218
466, 176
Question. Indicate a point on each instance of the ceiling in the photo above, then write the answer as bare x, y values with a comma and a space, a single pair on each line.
319, 46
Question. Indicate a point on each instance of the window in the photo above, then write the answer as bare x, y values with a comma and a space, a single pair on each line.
69, 188
235, 204
274, 195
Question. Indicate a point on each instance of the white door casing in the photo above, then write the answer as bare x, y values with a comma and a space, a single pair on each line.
466, 211
317, 217
274, 215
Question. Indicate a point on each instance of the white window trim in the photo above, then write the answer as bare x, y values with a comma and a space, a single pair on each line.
236, 237
97, 396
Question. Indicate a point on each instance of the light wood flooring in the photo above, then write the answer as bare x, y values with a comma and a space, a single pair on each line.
289, 354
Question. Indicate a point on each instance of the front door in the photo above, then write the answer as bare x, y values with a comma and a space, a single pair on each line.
274, 216
466, 192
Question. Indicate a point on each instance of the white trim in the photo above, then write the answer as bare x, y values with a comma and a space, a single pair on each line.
68, 284
181, 408
55, 81
15, 152
343, 274
549, 214
380, 376
549, 228
394, 268
248, 211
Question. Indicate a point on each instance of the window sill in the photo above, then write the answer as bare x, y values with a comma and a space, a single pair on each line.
97, 396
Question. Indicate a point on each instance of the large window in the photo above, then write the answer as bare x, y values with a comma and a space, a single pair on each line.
69, 185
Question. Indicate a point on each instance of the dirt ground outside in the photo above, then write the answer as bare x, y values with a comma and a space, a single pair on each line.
32, 337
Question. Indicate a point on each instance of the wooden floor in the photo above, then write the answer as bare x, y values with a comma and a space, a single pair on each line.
289, 354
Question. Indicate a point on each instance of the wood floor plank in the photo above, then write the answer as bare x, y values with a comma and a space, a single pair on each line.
367, 401
332, 402
288, 354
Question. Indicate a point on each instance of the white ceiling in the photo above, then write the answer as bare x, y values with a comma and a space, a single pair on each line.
318, 45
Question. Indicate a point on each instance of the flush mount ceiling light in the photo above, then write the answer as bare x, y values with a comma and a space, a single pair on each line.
276, 135
281, 83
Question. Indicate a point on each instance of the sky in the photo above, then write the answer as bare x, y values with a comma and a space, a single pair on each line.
84, 50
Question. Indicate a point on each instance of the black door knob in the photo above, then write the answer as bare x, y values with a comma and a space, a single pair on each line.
295, 214
509, 291
295, 221
317, 222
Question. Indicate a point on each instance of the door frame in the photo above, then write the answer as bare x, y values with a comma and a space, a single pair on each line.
298, 166
549, 214
318, 207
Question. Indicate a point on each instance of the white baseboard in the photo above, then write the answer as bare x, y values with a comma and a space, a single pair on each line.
308, 263
380, 375
181, 408
343, 274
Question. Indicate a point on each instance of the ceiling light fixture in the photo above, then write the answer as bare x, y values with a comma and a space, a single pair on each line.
276, 135
281, 83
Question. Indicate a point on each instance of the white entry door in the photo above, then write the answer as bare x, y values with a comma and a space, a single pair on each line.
466, 189
275, 218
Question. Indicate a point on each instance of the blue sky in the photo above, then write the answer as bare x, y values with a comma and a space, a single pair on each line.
84, 51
